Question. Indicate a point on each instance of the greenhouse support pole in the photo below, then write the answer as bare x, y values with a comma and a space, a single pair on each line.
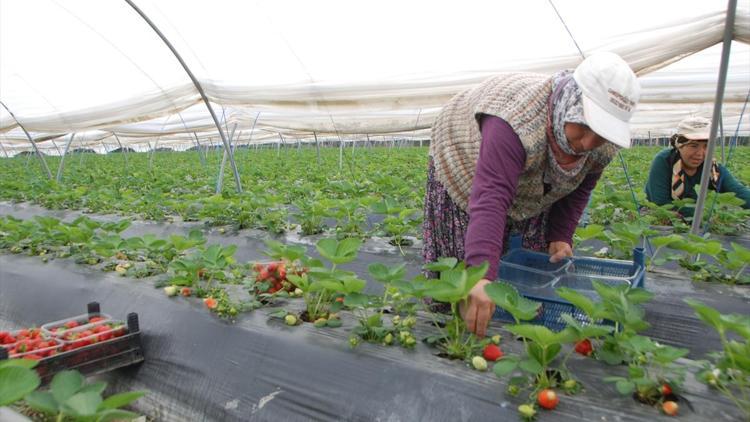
250, 139
220, 178
106, 151
43, 162
278, 146
198, 87
201, 153
122, 151
341, 153
3, 148
153, 151
701, 202
62, 159
721, 135
54, 144
317, 147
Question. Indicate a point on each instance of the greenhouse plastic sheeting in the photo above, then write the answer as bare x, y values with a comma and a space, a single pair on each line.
97, 66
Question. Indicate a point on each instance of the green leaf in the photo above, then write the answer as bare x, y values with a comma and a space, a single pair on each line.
539, 334
506, 296
385, 274
531, 366
65, 384
589, 232
442, 264
95, 387
354, 300
625, 387
661, 241
121, 399
42, 401
578, 300
16, 382
505, 366
334, 323
111, 415
639, 295
707, 314
338, 252
83, 404
23, 363
552, 352
668, 354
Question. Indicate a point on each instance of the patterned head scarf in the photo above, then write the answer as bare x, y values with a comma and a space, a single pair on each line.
678, 173
565, 106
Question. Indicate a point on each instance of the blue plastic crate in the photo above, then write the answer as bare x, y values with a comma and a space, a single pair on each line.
537, 279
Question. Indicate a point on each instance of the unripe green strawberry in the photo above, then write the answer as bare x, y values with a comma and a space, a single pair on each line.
409, 322
479, 363
388, 339
290, 319
298, 292
527, 411
496, 338
171, 290
353, 342
320, 322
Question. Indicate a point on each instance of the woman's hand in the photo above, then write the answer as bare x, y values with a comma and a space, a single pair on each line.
559, 250
477, 309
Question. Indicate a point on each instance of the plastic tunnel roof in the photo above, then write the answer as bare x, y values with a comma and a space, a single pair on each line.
335, 67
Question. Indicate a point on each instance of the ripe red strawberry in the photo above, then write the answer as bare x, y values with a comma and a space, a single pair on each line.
670, 408
492, 352
548, 399
281, 271
210, 302
584, 347
271, 267
185, 291
71, 324
263, 274
96, 319
666, 390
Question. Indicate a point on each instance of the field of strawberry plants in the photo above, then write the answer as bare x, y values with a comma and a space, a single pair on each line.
314, 275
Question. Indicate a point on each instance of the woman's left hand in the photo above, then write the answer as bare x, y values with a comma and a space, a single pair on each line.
559, 250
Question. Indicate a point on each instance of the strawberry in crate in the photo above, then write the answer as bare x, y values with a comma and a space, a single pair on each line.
93, 333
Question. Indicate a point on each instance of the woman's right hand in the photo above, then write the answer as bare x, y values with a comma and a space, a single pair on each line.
477, 309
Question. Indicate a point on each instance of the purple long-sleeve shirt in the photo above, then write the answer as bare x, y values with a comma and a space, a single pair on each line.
499, 167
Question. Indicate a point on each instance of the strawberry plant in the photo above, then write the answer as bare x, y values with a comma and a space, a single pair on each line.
311, 213
321, 285
350, 218
453, 286
660, 243
738, 259
70, 397
369, 310
399, 221
728, 372
652, 366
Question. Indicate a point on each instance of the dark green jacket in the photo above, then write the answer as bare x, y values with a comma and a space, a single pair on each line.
658, 186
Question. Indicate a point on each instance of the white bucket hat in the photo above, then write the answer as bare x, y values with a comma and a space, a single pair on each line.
610, 95
694, 128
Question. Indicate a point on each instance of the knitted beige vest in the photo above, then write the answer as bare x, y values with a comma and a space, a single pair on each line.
521, 100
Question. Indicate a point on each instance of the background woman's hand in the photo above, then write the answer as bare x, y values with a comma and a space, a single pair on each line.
559, 250
477, 309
